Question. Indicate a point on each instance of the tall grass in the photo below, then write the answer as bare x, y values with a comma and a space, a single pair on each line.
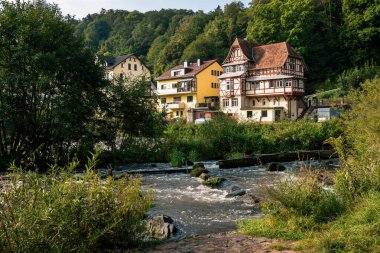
224, 137
64, 212
346, 219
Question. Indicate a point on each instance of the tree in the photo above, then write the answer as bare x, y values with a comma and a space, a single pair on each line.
361, 30
50, 87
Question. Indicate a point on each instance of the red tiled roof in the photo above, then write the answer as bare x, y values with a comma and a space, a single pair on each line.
273, 55
265, 56
193, 70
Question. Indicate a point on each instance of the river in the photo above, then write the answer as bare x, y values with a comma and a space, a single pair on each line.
198, 209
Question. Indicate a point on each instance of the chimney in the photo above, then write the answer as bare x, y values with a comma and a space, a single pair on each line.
199, 62
185, 64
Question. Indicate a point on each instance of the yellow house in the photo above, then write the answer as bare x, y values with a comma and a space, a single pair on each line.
126, 66
190, 90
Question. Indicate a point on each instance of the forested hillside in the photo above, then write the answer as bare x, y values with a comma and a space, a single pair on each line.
332, 36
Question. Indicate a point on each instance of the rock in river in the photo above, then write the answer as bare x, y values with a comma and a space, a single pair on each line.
236, 193
161, 227
275, 167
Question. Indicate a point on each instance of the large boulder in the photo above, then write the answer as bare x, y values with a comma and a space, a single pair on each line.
275, 167
161, 227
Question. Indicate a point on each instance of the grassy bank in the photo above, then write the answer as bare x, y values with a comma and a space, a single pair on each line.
63, 212
345, 219
226, 138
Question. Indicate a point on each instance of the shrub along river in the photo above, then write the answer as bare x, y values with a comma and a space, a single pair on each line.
198, 209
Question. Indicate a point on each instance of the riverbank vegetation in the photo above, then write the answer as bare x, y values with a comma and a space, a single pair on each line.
62, 211
346, 218
226, 138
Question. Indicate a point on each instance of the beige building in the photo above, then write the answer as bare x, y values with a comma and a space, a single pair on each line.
262, 82
128, 66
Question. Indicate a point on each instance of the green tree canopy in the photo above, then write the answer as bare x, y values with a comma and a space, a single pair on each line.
50, 87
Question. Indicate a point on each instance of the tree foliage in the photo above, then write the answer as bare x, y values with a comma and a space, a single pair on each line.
331, 35
44, 71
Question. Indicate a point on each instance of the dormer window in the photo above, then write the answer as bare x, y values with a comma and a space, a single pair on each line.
176, 73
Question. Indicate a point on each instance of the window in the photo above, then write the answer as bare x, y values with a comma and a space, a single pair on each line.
177, 99
163, 100
227, 85
202, 115
135, 67
288, 83
271, 84
226, 102
239, 68
292, 64
255, 85
121, 75
279, 83
249, 114
263, 102
162, 87
189, 99
174, 85
177, 113
214, 85
235, 102
253, 102
122, 65
129, 66
176, 73
181, 113
295, 83
264, 114
300, 83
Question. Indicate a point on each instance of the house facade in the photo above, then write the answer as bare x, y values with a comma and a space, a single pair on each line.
129, 67
190, 90
262, 83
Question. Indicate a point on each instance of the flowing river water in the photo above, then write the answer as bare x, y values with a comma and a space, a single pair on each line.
198, 209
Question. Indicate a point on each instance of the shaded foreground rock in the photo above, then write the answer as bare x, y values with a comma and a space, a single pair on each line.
275, 167
160, 227
230, 242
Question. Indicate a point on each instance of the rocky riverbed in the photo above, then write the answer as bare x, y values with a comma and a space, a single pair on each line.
222, 243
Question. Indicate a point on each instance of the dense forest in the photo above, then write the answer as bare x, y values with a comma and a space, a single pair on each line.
332, 36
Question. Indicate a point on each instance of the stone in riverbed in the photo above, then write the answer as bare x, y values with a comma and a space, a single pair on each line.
198, 169
275, 167
203, 176
236, 193
160, 227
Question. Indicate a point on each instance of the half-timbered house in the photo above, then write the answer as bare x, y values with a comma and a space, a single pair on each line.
262, 82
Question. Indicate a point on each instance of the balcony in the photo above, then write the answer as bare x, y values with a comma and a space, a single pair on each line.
275, 91
175, 105
208, 106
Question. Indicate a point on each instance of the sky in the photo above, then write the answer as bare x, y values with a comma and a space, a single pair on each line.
80, 8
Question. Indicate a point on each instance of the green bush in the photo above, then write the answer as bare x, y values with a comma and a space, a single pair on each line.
176, 158
64, 212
